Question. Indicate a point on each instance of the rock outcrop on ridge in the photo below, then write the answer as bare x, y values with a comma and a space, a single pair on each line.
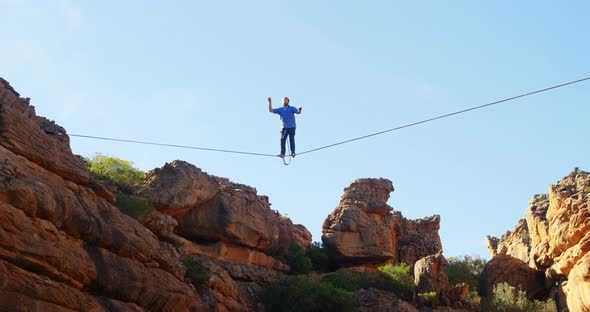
548, 252
364, 229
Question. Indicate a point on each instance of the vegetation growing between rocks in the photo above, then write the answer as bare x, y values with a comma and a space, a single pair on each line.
196, 271
402, 273
134, 206
297, 260
427, 298
397, 279
505, 298
127, 179
300, 293
116, 172
466, 270
318, 255
283, 217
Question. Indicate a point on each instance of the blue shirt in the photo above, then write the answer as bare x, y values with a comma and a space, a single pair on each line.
287, 115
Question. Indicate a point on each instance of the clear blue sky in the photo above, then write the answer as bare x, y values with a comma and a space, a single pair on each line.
198, 73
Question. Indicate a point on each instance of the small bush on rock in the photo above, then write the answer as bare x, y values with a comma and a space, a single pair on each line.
401, 273
196, 271
505, 298
351, 281
115, 171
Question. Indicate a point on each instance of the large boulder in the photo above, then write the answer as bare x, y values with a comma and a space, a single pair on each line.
361, 228
215, 217
364, 229
237, 215
515, 272
179, 186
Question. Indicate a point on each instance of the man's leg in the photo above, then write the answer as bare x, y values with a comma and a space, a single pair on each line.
292, 140
283, 140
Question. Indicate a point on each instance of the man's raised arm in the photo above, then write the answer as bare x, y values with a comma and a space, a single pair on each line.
269, 105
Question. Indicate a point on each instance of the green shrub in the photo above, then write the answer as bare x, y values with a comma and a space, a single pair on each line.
466, 270
283, 217
351, 281
318, 255
115, 171
472, 297
196, 271
402, 273
427, 299
134, 206
427, 295
299, 263
299, 293
505, 298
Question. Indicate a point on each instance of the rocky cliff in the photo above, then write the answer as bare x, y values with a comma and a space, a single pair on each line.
66, 246
548, 252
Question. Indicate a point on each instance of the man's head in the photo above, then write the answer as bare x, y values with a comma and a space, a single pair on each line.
285, 101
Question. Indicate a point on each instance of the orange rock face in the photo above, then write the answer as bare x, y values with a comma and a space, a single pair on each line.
221, 219
555, 240
63, 245
364, 230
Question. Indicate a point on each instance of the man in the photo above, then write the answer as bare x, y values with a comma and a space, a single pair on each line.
287, 114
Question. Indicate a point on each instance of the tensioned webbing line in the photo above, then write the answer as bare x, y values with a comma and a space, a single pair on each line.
447, 115
342, 142
172, 145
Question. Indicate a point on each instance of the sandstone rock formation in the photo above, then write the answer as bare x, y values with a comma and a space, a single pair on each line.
364, 230
429, 276
63, 245
218, 218
506, 269
554, 241
179, 186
